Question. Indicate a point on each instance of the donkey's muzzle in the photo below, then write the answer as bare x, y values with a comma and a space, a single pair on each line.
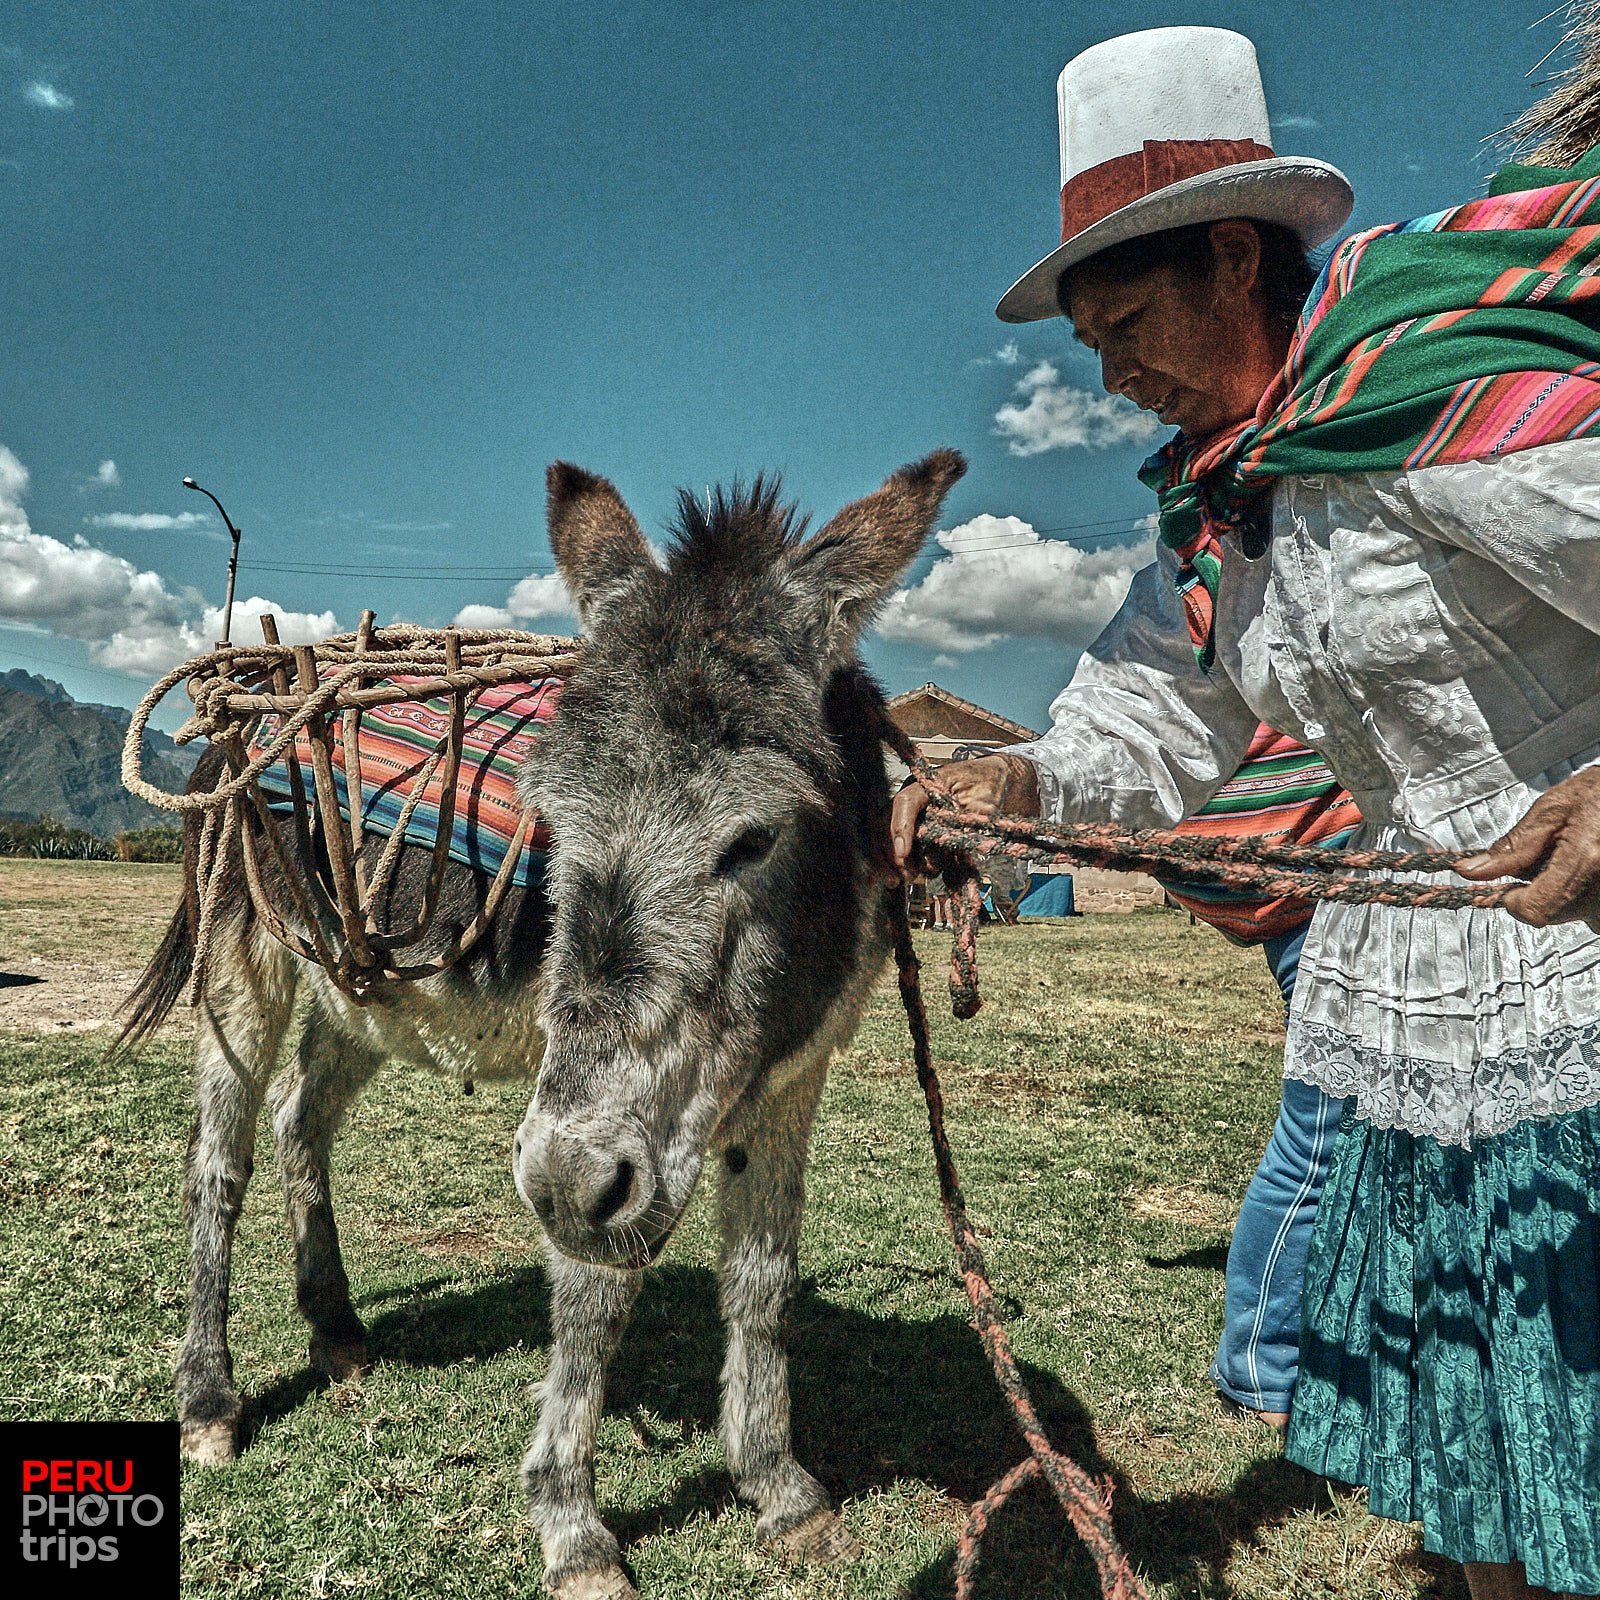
592, 1182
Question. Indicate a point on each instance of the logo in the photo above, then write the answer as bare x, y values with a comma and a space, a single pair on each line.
91, 1507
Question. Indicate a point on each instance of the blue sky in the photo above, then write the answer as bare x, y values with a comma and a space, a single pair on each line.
365, 270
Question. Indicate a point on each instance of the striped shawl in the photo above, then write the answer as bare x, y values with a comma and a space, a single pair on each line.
1453, 337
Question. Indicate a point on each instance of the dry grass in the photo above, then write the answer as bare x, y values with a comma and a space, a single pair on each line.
108, 912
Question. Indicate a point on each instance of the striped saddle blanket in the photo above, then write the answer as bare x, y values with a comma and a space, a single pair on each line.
396, 741
1282, 793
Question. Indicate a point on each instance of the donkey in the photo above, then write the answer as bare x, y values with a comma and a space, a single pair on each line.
712, 919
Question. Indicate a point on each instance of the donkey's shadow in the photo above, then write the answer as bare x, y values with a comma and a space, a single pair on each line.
877, 1398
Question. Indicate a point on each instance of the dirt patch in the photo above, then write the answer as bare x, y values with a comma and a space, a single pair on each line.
1183, 1202
43, 996
74, 937
479, 1244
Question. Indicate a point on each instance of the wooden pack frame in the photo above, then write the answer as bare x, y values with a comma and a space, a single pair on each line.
321, 690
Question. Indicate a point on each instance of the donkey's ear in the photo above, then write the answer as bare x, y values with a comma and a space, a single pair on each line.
596, 542
848, 568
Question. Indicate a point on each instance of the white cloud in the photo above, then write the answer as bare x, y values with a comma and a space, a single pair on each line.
151, 644
1297, 123
152, 521
537, 595
105, 476
47, 97
1051, 415
1008, 355
129, 618
483, 617
13, 485
1001, 580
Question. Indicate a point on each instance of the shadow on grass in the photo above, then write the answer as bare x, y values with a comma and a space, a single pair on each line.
877, 1399
1206, 1258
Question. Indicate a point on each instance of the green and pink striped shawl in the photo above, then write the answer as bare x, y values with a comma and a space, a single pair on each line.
1454, 337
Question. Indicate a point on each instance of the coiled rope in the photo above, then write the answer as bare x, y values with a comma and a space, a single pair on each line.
332, 919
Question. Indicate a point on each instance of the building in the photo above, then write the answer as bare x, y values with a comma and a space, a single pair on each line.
944, 727
941, 724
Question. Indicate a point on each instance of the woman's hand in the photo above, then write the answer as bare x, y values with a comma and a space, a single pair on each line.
989, 784
1557, 848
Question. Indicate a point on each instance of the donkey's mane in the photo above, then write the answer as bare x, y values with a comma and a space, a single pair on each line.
742, 526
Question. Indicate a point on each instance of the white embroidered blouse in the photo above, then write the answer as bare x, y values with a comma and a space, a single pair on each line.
1436, 635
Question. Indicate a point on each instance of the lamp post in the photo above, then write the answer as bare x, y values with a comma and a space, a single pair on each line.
233, 560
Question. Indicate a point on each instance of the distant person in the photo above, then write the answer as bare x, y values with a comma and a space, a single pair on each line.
1008, 884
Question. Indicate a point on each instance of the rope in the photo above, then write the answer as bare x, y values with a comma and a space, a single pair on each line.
1086, 1503
221, 675
958, 841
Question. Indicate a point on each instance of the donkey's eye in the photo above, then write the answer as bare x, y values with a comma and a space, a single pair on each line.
753, 845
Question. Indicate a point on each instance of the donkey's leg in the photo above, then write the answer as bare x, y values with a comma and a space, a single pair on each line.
759, 1205
243, 1015
590, 1306
308, 1104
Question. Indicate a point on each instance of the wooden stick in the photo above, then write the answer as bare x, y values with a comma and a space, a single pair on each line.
442, 838
350, 728
423, 689
320, 913
474, 930
334, 836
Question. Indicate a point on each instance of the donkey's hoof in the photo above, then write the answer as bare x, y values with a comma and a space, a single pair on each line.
820, 1537
339, 1361
598, 1583
209, 1443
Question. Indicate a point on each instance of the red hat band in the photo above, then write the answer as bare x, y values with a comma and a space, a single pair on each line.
1092, 195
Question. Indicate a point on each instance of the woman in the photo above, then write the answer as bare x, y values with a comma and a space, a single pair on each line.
1281, 794
1384, 540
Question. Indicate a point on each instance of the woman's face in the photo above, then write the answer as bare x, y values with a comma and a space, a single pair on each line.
1196, 351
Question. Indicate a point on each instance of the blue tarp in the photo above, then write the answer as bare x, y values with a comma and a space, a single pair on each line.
1049, 895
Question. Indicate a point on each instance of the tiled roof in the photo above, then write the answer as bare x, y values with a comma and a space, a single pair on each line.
932, 691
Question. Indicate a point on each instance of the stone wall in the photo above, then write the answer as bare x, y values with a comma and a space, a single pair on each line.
1096, 890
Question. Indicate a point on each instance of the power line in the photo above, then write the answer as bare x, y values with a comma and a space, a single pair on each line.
1117, 528
71, 666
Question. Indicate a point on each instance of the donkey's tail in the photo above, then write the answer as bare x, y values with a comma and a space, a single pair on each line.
161, 984
1564, 123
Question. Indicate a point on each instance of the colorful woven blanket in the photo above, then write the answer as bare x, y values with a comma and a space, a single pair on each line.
396, 741
1466, 334
1282, 793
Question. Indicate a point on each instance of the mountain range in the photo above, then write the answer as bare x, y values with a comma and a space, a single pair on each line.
63, 757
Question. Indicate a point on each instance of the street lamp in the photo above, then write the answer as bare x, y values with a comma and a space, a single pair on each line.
233, 560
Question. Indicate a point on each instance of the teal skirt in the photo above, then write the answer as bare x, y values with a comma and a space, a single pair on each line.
1450, 1352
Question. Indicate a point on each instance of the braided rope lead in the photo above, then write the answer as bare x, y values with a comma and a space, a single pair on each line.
958, 841
1086, 1503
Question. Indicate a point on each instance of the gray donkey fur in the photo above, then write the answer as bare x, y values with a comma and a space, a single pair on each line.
711, 924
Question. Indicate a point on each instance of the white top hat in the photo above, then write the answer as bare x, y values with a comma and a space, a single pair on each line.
1161, 129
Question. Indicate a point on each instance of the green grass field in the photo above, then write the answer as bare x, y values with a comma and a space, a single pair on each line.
1107, 1108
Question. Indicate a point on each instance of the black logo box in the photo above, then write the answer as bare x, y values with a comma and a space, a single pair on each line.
103, 1539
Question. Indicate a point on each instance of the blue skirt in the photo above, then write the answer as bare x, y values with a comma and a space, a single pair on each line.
1450, 1350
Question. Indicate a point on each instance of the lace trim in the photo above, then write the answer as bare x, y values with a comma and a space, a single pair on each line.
1453, 1104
